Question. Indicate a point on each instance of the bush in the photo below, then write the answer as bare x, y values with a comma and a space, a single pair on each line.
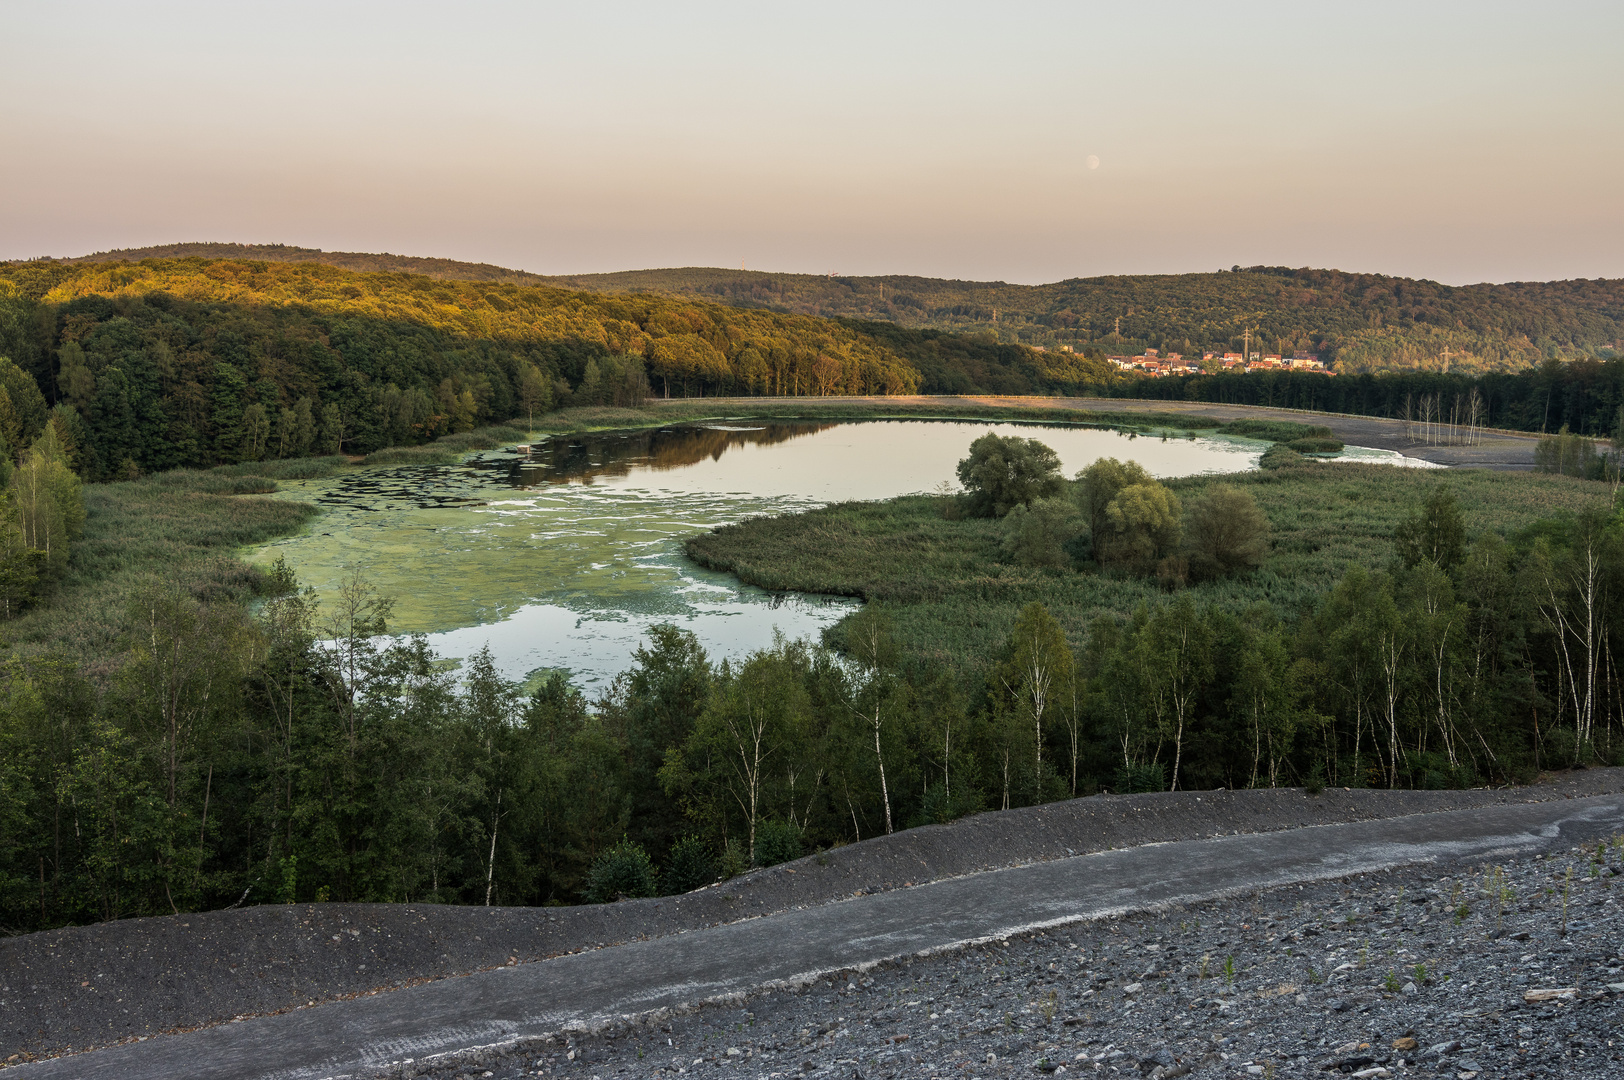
1143, 528
1227, 532
692, 866
1436, 533
938, 807
777, 842
1280, 431
1038, 535
1280, 457
1316, 446
622, 872
1567, 454
1141, 778
1103, 481
1003, 473
733, 860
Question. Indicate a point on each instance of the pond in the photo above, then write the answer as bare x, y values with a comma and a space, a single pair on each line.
561, 556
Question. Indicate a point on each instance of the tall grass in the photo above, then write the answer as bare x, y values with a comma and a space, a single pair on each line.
954, 598
185, 526
447, 448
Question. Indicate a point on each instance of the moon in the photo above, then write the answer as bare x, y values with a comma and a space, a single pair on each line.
1093, 161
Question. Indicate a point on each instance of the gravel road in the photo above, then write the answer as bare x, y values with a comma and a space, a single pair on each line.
520, 1005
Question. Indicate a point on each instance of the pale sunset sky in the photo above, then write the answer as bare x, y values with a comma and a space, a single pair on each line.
1026, 142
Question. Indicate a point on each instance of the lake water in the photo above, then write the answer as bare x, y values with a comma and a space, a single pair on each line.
562, 557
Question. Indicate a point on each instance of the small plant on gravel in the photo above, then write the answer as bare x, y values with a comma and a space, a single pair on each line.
692, 865
733, 861
1420, 971
625, 870
1500, 893
1205, 960
1391, 983
777, 842
1364, 954
1229, 971
290, 880
1314, 977
1051, 1005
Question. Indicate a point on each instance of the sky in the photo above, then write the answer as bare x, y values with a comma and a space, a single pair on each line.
1023, 142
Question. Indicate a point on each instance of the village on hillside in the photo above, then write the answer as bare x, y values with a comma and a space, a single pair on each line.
1156, 365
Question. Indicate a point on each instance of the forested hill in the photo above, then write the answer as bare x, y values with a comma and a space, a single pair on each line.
167, 363
448, 269
1362, 322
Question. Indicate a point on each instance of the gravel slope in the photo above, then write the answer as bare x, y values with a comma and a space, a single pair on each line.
1495, 971
88, 986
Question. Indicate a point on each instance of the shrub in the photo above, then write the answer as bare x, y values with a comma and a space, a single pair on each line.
1140, 778
1436, 533
1038, 535
692, 865
1003, 473
733, 860
622, 872
1567, 454
1280, 457
777, 842
1280, 431
1142, 527
938, 807
1316, 446
1103, 481
1226, 532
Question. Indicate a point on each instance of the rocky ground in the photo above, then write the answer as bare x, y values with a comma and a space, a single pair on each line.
1510, 970
82, 987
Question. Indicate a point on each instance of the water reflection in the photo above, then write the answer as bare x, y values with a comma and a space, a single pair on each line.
829, 462
561, 556
584, 458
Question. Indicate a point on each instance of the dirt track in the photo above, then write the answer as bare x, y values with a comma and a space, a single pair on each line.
89, 986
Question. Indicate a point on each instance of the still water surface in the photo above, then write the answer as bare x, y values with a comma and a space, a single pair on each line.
561, 558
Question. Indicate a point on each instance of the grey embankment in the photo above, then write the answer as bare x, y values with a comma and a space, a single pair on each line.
681, 969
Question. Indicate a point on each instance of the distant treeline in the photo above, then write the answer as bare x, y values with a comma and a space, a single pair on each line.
1583, 396
1361, 322
193, 362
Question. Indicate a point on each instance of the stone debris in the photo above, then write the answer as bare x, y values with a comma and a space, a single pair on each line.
1510, 970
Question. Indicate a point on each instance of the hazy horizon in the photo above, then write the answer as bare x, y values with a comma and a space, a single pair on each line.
1028, 144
